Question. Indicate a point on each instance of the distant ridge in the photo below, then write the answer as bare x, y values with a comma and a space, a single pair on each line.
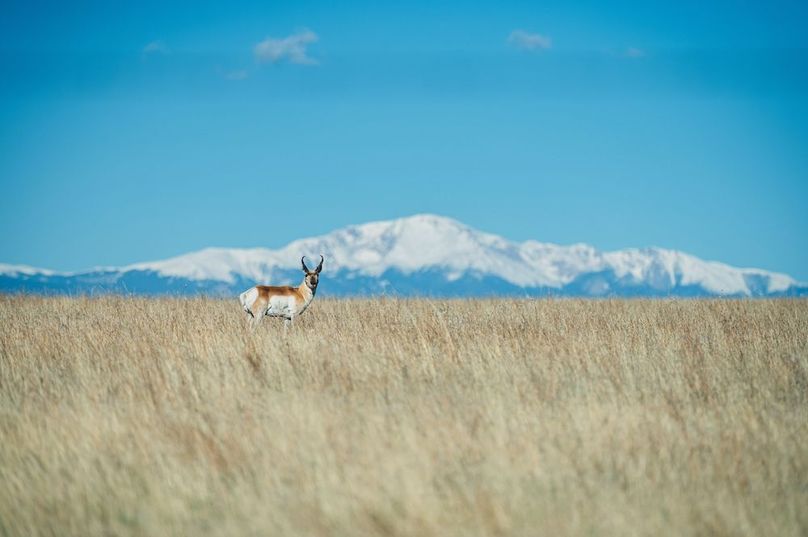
421, 255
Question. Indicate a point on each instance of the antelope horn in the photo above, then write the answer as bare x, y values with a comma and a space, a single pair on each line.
303, 262
320, 266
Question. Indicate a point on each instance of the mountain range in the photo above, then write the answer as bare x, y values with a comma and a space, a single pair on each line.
421, 255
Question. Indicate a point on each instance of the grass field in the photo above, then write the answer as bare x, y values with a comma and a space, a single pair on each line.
124, 416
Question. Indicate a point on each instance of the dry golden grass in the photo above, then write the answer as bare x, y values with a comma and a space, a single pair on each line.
123, 416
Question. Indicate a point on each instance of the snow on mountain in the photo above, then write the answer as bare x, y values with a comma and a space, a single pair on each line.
451, 251
12, 270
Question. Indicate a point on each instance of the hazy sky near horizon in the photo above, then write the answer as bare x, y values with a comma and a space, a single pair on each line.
145, 130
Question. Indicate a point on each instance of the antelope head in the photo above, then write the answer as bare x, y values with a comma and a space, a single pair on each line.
312, 277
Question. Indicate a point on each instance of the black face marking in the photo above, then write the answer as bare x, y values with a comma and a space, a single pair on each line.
311, 280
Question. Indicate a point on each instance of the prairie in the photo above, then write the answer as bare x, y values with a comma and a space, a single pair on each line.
136, 416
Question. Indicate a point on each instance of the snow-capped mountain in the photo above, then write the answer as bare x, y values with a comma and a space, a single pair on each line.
421, 255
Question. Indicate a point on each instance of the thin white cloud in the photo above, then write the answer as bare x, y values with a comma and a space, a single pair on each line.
529, 41
156, 47
634, 52
291, 48
240, 74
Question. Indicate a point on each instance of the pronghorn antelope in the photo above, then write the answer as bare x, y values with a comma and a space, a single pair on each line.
286, 302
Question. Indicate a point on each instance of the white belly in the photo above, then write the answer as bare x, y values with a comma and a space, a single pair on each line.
281, 306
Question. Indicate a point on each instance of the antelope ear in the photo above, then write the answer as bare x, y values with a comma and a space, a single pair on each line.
320, 266
303, 262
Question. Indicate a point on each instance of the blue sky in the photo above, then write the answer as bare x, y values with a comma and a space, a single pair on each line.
141, 131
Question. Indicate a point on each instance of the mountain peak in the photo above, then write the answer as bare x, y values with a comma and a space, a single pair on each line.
430, 219
432, 254
424, 223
